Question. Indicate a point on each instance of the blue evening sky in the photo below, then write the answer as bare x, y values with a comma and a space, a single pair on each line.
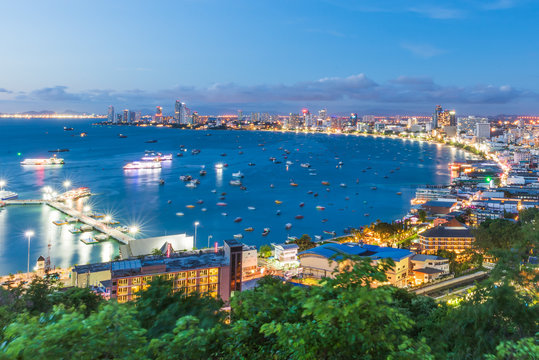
382, 56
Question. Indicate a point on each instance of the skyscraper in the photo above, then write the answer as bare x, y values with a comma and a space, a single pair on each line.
436, 116
177, 110
126, 116
158, 117
110, 117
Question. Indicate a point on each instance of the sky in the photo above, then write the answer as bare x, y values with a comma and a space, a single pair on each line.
381, 57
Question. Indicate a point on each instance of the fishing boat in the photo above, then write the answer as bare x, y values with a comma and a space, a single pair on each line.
305, 165
251, 164
293, 184
195, 151
249, 229
265, 232
301, 204
325, 183
399, 193
235, 182
299, 217
278, 202
237, 220
221, 204
150, 141
318, 207
190, 206
330, 232
186, 178
202, 172
238, 236
288, 226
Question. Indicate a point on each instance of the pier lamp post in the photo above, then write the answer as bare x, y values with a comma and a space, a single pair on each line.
196, 225
28, 235
2, 184
133, 230
209, 237
67, 184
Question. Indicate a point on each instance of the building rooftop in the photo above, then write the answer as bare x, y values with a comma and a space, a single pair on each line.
448, 230
429, 271
423, 257
338, 251
146, 246
287, 246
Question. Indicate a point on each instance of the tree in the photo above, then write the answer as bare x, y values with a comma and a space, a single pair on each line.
422, 214
156, 252
265, 251
304, 243
497, 234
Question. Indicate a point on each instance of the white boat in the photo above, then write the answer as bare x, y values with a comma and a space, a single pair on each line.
305, 165
101, 237
43, 162
251, 208
238, 174
156, 157
7, 195
191, 184
135, 165
86, 227
235, 182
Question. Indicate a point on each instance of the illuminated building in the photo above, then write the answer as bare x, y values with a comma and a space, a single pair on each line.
131, 116
451, 236
158, 117
214, 272
126, 116
482, 130
110, 116
177, 111
436, 116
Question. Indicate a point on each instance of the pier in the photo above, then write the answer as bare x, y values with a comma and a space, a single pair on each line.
96, 224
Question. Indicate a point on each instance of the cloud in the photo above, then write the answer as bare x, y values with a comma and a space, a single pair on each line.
422, 50
351, 92
439, 12
2, 90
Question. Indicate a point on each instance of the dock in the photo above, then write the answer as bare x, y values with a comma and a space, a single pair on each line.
96, 224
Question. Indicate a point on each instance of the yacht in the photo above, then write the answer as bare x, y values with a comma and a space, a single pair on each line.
135, 165
152, 156
50, 161
7, 195
235, 182
238, 174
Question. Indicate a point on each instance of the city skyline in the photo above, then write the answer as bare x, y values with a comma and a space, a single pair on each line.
271, 56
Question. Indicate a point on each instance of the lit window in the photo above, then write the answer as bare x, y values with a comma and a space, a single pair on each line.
122, 282
214, 271
192, 274
136, 281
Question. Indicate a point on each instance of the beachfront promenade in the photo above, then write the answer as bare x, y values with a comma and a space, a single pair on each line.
96, 224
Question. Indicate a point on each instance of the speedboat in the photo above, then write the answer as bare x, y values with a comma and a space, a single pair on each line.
318, 207
325, 183
305, 165
186, 178
249, 229
266, 231
237, 220
251, 208
202, 172
7, 195
299, 217
288, 226
157, 157
235, 182
238, 174
191, 184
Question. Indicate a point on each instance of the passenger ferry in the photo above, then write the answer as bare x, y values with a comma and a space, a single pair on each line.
135, 165
152, 156
43, 162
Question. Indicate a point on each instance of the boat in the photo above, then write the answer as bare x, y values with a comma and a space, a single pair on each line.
122, 136
223, 154
224, 214
272, 186
75, 230
291, 238
191, 184
200, 201
373, 188
317, 237
330, 232
342, 185
325, 183
251, 164
238, 236
186, 178
288, 162
219, 166
305, 165
179, 154
68, 128
161, 182
249, 229
278, 202
150, 141
179, 214
288, 226
221, 204
101, 237
43, 162
59, 222
83, 134
251, 208
7, 195
265, 232
88, 239
58, 150
399, 193
293, 184
318, 207
324, 220
202, 172
235, 182
86, 227
272, 158
237, 220
299, 217
278, 212
238, 174
203, 209
301, 204
137, 165
366, 214
340, 163
189, 206
151, 156
195, 151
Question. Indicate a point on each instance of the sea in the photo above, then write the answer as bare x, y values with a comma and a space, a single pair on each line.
362, 176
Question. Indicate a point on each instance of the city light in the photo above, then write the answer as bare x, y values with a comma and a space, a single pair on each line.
133, 230
2, 184
67, 184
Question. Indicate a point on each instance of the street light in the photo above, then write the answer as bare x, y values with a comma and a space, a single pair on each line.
67, 184
196, 224
28, 235
2, 184
133, 230
209, 237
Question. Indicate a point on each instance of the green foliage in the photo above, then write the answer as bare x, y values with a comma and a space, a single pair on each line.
304, 242
158, 308
523, 349
422, 214
265, 251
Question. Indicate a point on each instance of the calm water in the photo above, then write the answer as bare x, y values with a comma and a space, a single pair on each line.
136, 198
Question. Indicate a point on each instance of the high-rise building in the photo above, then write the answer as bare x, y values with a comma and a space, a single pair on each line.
126, 116
158, 117
436, 116
110, 117
131, 116
177, 110
482, 130
240, 115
